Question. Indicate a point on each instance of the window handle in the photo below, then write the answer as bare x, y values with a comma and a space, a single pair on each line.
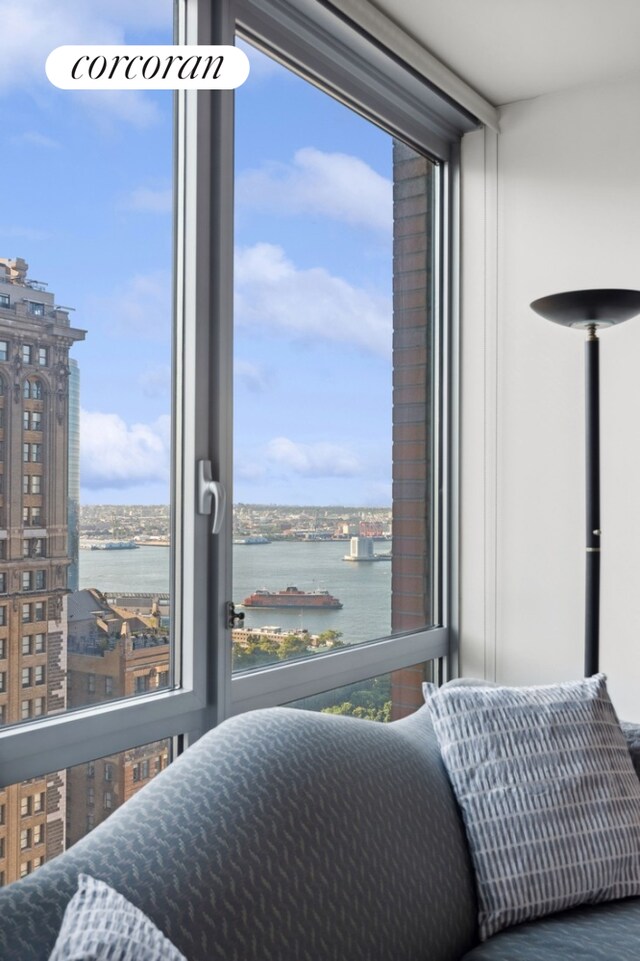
212, 497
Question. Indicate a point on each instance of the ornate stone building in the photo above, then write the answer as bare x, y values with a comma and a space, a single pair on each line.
35, 338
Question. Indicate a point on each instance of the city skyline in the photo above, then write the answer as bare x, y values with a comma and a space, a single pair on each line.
102, 240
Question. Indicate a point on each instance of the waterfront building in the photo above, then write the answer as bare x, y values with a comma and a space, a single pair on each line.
35, 339
360, 549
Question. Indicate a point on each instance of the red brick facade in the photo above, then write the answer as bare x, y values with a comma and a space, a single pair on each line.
413, 387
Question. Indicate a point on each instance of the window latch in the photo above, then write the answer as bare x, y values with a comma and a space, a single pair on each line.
212, 497
234, 617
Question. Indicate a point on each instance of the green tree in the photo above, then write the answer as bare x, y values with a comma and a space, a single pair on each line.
371, 712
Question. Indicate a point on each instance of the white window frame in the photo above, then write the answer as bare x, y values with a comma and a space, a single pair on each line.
204, 692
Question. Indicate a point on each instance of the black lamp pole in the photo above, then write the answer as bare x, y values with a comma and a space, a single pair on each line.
592, 595
588, 310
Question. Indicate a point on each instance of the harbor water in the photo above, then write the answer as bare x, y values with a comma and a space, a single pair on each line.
364, 588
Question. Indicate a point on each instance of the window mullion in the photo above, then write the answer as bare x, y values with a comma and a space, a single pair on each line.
297, 679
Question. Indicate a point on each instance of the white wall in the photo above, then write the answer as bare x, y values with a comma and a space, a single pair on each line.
553, 205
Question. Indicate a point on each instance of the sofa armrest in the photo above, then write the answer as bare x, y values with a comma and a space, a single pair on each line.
280, 834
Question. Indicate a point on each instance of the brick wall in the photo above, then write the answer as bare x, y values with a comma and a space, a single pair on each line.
413, 363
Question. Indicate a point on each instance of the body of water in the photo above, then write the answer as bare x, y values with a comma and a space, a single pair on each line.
363, 588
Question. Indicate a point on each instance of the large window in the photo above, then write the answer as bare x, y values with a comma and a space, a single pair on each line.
339, 566
287, 348
337, 371
335, 361
86, 423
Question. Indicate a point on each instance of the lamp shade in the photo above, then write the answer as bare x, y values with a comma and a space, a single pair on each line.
601, 307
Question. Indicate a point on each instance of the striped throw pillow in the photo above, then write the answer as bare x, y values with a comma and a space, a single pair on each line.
548, 793
101, 925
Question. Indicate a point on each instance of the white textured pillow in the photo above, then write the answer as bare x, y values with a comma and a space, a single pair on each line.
101, 925
548, 792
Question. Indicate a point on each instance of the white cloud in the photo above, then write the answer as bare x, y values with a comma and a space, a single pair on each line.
143, 14
108, 107
150, 200
24, 233
156, 381
33, 28
116, 454
34, 138
249, 471
320, 459
272, 292
141, 307
335, 185
252, 376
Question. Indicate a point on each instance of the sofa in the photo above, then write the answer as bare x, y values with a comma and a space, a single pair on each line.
285, 835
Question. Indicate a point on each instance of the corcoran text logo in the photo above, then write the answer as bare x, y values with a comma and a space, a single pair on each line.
100, 67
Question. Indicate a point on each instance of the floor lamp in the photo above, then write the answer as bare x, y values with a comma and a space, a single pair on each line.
589, 310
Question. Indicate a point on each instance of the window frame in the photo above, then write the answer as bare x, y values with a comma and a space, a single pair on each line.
365, 77
368, 83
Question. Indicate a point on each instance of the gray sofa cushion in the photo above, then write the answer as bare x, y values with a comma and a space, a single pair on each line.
607, 932
282, 835
598, 933
549, 794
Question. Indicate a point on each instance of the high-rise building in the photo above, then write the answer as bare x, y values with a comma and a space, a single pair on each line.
35, 338
73, 515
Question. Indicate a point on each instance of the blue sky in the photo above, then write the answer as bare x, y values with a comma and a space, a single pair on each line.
87, 202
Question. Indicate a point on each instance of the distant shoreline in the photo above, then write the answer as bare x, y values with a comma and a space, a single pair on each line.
94, 542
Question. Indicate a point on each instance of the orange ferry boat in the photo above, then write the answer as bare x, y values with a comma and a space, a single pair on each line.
292, 597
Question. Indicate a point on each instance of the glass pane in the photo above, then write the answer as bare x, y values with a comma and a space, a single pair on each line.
41, 818
388, 697
334, 434
85, 404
